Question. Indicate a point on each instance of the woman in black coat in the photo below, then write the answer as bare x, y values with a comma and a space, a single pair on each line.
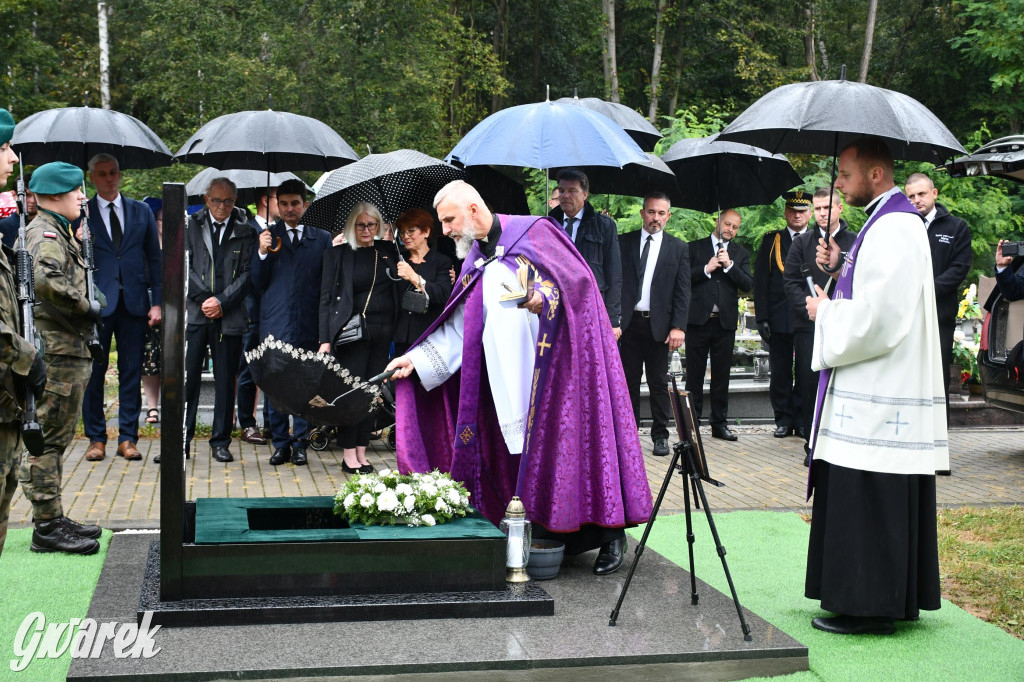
355, 281
425, 271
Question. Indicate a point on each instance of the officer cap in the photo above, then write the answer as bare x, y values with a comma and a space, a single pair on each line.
6, 126
798, 200
55, 178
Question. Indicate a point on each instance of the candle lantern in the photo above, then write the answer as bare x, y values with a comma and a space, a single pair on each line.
517, 529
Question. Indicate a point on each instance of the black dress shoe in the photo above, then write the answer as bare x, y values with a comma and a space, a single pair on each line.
660, 447
280, 456
366, 469
723, 432
807, 460
855, 625
298, 456
222, 454
803, 434
156, 459
610, 557
347, 469
783, 431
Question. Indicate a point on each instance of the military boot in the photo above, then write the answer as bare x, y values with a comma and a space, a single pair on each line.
79, 529
50, 535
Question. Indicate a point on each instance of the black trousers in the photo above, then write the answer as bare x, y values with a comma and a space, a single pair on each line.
946, 341
807, 378
638, 348
703, 340
784, 386
246, 385
225, 351
364, 359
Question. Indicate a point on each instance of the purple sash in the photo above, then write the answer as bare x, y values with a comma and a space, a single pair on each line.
897, 203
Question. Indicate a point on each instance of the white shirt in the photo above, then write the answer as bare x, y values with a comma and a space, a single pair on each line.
261, 222
576, 225
930, 217
717, 245
652, 259
288, 232
103, 205
792, 233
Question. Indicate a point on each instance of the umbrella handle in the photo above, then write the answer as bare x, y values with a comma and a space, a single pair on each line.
276, 247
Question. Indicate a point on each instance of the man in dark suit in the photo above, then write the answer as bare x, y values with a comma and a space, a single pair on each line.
655, 299
949, 239
288, 285
266, 214
126, 245
10, 225
827, 211
596, 238
775, 314
719, 270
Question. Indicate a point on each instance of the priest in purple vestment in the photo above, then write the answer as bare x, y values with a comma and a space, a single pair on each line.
518, 386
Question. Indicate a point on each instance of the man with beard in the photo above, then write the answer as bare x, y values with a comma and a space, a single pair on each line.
881, 431
528, 414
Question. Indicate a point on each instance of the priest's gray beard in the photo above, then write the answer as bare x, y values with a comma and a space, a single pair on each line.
465, 242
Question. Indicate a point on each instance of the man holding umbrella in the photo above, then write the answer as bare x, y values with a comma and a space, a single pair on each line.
881, 433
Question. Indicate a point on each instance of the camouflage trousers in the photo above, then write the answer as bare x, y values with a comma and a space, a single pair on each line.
10, 455
58, 412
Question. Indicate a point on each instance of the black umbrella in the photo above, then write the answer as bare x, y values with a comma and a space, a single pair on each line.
268, 140
1002, 158
75, 134
393, 182
821, 117
635, 125
634, 179
311, 385
500, 192
247, 182
712, 174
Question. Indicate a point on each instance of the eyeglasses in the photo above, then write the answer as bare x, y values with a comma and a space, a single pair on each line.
366, 227
214, 201
408, 233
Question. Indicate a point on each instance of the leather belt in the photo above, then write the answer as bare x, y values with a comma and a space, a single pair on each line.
643, 313
714, 314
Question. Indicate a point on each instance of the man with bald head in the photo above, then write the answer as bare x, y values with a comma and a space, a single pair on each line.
719, 270
949, 239
880, 433
528, 414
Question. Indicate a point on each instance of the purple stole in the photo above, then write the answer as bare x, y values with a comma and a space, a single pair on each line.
897, 203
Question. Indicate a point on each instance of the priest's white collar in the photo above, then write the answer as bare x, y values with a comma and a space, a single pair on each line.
880, 199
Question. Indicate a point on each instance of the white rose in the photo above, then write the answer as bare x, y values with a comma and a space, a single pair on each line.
429, 489
387, 501
366, 500
959, 335
350, 500
384, 472
428, 520
453, 496
410, 503
404, 489
441, 505
379, 488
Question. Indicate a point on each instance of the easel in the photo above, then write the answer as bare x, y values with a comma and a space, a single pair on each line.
694, 469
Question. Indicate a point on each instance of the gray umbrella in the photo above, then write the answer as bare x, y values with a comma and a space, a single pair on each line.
820, 117
713, 174
635, 125
247, 182
1002, 158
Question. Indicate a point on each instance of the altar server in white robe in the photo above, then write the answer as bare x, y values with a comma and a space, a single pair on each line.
880, 430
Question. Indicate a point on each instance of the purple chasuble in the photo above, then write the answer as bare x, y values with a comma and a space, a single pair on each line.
581, 462
897, 203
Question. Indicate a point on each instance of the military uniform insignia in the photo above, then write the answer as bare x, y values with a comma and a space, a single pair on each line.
50, 235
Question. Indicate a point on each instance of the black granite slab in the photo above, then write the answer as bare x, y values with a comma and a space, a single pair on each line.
660, 635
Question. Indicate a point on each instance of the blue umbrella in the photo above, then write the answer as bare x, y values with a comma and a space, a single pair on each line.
547, 135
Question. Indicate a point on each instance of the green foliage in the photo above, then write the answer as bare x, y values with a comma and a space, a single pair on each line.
994, 40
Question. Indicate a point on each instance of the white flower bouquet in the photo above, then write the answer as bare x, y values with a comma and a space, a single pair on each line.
388, 498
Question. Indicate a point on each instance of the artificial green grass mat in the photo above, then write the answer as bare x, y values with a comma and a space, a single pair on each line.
767, 556
60, 586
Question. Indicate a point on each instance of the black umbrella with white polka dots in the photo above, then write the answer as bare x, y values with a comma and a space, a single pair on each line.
393, 182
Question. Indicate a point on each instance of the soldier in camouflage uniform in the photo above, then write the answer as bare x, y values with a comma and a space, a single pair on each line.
64, 318
18, 358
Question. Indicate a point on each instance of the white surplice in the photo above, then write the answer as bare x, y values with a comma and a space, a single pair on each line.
509, 339
884, 410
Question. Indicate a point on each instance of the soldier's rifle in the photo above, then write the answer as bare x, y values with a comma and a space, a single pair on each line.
92, 342
31, 431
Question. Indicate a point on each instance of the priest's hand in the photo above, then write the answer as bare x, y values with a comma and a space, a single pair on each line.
675, 339
325, 348
828, 254
535, 304
813, 303
404, 366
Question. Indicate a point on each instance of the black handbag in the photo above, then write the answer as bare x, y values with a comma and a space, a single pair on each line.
355, 329
415, 301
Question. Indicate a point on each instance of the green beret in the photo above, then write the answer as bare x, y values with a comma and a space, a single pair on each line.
6, 126
799, 200
55, 178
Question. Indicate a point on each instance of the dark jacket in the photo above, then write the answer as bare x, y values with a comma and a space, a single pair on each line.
126, 273
336, 289
597, 242
9, 227
771, 304
287, 284
670, 286
949, 239
727, 284
434, 269
805, 250
199, 246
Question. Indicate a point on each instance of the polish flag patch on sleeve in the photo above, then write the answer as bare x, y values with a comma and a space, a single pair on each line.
50, 235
